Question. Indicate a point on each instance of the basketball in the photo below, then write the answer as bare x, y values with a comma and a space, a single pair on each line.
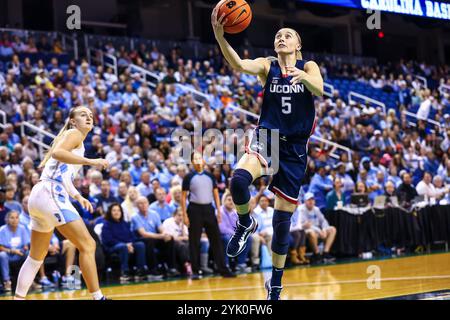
238, 13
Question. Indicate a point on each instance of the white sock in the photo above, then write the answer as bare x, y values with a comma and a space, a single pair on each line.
97, 295
26, 276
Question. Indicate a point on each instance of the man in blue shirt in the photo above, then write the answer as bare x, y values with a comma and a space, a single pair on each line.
14, 245
160, 206
377, 186
136, 169
129, 97
105, 198
115, 97
148, 228
320, 185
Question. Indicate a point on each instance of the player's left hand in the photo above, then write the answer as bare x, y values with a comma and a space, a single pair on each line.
296, 74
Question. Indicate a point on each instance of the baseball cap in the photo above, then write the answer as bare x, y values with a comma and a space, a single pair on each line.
377, 132
309, 195
136, 157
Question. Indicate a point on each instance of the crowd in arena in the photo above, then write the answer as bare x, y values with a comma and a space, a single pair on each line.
134, 121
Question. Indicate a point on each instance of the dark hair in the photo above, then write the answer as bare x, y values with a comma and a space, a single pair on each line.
108, 216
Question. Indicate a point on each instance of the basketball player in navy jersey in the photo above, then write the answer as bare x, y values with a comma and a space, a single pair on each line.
289, 85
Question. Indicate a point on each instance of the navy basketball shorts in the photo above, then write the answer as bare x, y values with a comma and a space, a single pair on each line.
286, 163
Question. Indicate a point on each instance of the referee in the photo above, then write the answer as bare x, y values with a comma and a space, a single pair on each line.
200, 214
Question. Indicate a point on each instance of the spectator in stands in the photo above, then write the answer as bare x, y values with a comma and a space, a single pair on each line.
148, 228
136, 169
129, 97
425, 106
317, 228
441, 189
95, 186
123, 115
14, 246
115, 157
406, 192
376, 186
43, 45
83, 72
118, 238
10, 203
160, 206
335, 198
129, 205
144, 187
320, 185
175, 227
31, 46
297, 243
105, 199
227, 226
427, 189
175, 195
122, 192
263, 213
377, 141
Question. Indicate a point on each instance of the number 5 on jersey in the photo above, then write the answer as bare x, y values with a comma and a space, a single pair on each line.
286, 107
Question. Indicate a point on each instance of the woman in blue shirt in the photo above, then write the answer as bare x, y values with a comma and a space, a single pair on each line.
118, 238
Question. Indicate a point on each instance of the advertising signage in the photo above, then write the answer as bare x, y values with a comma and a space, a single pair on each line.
420, 8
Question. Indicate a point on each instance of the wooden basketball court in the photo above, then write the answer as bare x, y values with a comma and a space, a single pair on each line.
399, 278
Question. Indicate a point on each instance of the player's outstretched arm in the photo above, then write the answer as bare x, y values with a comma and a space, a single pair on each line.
63, 151
257, 67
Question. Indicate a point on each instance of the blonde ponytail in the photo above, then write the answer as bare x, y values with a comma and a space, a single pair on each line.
66, 127
55, 141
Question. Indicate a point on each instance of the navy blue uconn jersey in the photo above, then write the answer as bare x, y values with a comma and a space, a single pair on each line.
289, 108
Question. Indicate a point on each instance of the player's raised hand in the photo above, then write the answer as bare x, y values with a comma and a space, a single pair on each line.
218, 22
296, 74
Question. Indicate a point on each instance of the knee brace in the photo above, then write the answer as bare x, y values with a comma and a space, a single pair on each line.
281, 223
239, 184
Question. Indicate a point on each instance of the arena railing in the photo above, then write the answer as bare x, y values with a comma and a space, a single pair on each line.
145, 75
423, 79
366, 99
3, 117
329, 87
444, 88
383, 106
332, 144
40, 136
417, 118
112, 64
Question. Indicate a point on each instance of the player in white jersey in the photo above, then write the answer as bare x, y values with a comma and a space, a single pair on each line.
49, 204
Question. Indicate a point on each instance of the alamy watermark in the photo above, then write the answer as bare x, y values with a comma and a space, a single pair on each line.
75, 279
73, 22
373, 22
374, 279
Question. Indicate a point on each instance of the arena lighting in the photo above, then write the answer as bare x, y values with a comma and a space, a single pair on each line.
420, 8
